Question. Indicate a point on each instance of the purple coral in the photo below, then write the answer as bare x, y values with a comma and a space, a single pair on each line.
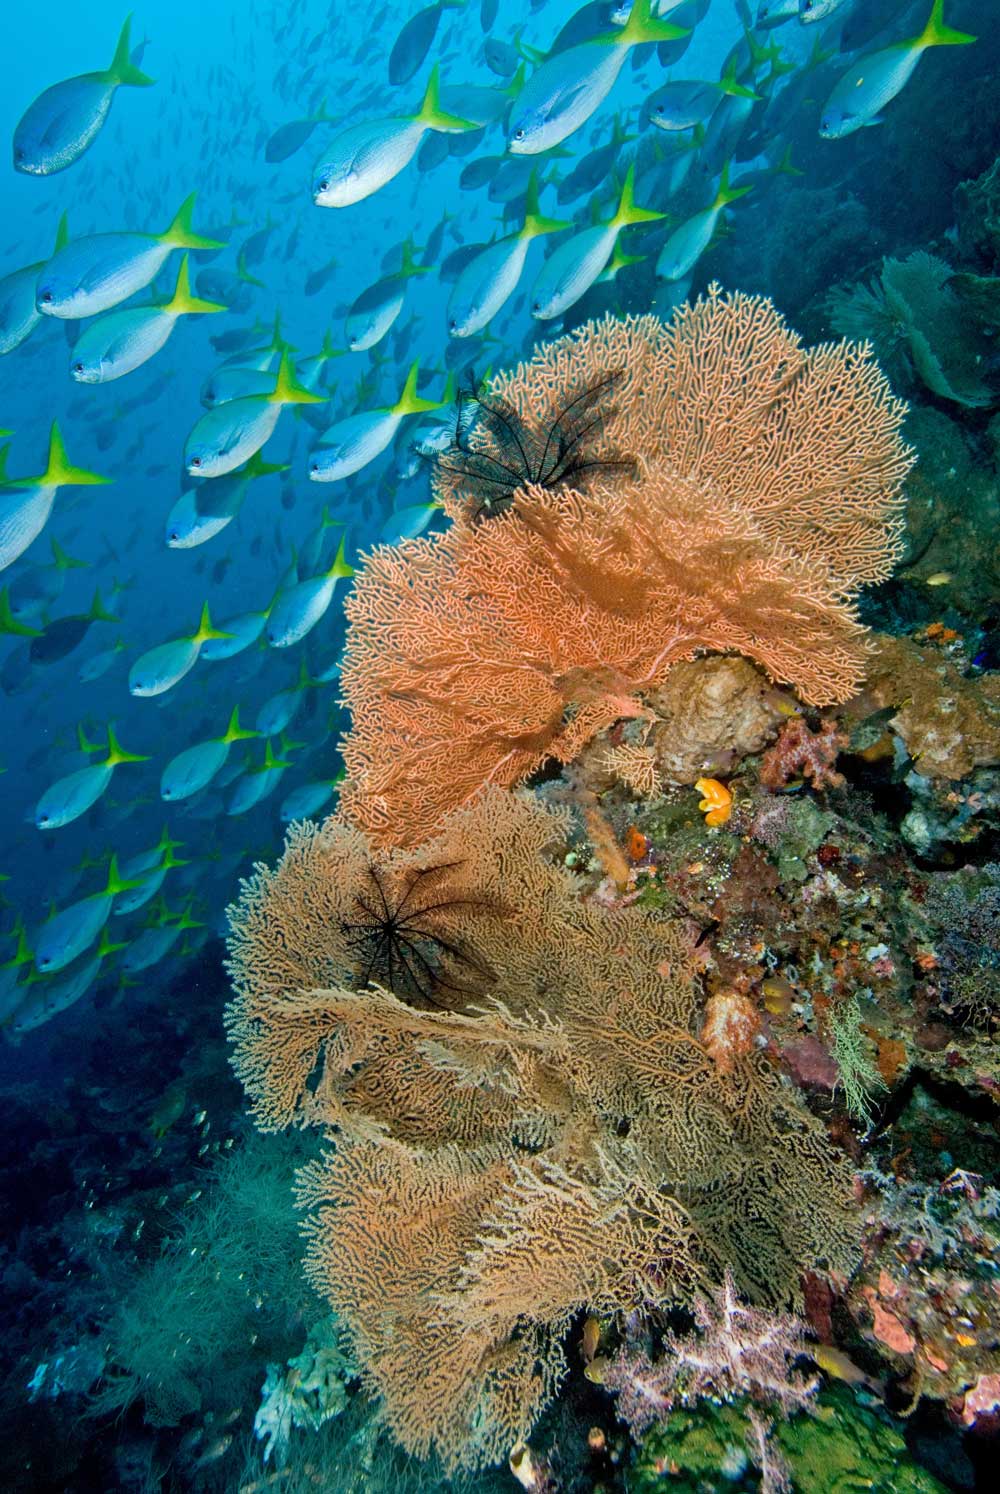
736, 1350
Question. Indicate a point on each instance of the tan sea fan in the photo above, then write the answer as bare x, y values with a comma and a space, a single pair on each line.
762, 489
567, 1143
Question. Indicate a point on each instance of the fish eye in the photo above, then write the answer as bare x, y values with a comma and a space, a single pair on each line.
452, 325
519, 133
196, 461
324, 185
78, 368
46, 297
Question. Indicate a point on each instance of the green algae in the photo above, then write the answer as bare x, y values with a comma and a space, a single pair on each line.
840, 1449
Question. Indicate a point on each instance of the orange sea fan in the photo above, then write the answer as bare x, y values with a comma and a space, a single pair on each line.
762, 489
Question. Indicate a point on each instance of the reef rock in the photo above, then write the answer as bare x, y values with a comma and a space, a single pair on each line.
949, 725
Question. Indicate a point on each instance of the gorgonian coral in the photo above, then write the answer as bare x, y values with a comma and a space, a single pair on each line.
566, 1142
762, 489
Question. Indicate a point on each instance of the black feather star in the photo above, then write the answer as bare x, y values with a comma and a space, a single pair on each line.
402, 941
495, 452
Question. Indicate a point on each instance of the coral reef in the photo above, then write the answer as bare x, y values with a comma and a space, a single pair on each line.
476, 654
481, 1153
801, 753
925, 1296
708, 714
919, 327
977, 214
948, 723
736, 1350
714, 1449
306, 1394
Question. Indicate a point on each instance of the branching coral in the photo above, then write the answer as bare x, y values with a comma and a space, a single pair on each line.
764, 491
736, 1350
569, 1143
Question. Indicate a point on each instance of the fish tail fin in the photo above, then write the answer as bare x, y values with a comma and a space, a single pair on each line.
122, 70
60, 472
182, 302
205, 629
786, 166
235, 732
937, 34
627, 212
643, 26
62, 234
64, 562
242, 273
340, 566
105, 945
620, 261
535, 223
287, 745
759, 53
270, 761
432, 116
116, 882
9, 623
409, 265
98, 612
731, 85
727, 194
257, 467
513, 88
117, 753
84, 744
410, 402
181, 234
279, 342
287, 388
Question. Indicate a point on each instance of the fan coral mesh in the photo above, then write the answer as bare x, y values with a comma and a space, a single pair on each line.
569, 1143
764, 490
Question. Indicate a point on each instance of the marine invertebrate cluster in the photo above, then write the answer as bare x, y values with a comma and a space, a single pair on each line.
948, 722
736, 1350
764, 492
566, 1141
497, 449
800, 752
